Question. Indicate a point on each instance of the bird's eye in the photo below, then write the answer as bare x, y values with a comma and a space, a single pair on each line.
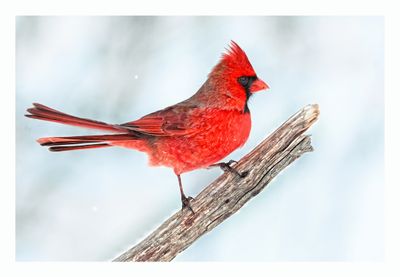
243, 80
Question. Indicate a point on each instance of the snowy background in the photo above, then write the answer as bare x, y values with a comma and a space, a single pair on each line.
327, 206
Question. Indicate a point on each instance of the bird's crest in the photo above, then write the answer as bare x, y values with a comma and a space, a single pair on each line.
235, 59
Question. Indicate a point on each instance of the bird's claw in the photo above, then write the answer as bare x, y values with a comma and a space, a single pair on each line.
186, 203
227, 167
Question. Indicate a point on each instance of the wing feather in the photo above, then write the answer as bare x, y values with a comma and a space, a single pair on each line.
178, 120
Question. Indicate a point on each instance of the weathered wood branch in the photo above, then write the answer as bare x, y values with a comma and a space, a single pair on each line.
227, 194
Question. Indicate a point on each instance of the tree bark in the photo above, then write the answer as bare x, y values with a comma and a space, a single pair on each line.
227, 194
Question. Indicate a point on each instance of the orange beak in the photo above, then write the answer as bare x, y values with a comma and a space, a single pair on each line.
258, 85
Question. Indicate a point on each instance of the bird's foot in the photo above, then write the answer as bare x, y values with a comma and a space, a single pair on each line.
227, 167
186, 203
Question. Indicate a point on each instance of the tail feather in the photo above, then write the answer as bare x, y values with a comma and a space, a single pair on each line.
78, 147
57, 144
43, 112
50, 141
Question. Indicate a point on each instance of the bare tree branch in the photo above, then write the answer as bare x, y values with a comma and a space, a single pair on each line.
227, 194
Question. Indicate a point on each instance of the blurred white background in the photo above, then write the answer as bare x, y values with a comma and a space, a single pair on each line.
92, 205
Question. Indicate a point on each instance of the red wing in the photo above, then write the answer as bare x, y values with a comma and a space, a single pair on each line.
172, 121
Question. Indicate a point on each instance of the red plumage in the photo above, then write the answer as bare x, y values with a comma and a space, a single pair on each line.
192, 134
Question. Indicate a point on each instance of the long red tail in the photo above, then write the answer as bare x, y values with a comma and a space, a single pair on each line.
78, 147
83, 142
42, 112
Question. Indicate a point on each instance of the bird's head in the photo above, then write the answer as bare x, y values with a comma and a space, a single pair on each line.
237, 72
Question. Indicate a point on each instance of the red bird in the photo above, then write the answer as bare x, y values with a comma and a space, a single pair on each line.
195, 133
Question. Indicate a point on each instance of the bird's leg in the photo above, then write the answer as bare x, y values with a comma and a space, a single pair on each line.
227, 167
185, 200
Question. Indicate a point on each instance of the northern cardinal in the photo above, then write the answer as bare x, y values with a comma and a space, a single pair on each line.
195, 133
